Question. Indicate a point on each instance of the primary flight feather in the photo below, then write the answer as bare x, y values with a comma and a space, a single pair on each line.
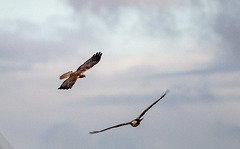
79, 73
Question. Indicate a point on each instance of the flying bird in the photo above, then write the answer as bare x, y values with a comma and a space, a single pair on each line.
135, 122
79, 73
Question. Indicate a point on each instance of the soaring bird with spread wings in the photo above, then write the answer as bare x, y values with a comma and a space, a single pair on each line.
79, 73
135, 122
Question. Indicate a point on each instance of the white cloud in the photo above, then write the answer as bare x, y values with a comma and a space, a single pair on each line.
147, 48
32, 10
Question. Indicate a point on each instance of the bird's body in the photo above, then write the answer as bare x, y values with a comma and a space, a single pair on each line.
79, 73
135, 122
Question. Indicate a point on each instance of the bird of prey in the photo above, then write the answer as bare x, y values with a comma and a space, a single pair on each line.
79, 73
135, 122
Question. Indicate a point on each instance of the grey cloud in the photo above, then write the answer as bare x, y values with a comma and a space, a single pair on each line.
19, 52
23, 44
109, 141
122, 100
68, 135
151, 16
209, 20
4, 144
226, 26
229, 131
161, 22
96, 26
99, 4
63, 136
228, 134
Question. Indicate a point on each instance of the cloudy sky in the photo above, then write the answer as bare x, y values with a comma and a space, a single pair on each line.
190, 47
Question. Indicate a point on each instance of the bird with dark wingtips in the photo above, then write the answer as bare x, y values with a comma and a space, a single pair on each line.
135, 122
79, 73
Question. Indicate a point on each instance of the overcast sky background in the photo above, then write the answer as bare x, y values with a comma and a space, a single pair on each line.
190, 47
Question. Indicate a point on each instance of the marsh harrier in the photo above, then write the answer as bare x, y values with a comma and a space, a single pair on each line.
135, 122
79, 73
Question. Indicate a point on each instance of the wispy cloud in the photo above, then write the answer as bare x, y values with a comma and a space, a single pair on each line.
187, 46
226, 26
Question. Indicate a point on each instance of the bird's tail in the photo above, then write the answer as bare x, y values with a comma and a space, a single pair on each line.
66, 75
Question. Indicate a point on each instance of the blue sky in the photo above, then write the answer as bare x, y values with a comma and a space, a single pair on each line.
187, 46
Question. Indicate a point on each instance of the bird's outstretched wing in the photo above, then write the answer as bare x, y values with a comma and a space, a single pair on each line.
90, 62
93, 132
67, 84
152, 104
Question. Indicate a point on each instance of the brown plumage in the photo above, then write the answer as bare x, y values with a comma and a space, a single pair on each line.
135, 122
79, 73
